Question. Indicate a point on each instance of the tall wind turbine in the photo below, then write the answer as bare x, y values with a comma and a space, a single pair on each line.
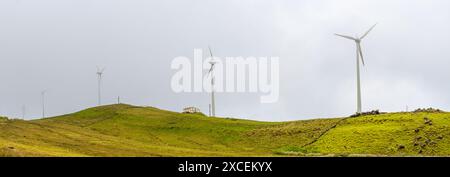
211, 74
99, 77
358, 55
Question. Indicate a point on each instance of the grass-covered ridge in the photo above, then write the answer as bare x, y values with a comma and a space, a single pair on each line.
125, 130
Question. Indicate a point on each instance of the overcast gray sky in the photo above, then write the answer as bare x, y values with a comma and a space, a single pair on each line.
57, 44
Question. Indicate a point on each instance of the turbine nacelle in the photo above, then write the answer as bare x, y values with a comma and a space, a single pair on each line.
213, 62
100, 70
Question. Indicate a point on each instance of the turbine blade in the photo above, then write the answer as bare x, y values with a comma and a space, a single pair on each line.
210, 70
210, 52
347, 37
361, 54
369, 31
212, 58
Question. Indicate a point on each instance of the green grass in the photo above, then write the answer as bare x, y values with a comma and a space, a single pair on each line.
395, 134
125, 130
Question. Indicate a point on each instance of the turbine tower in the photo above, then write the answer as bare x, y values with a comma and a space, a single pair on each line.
358, 55
23, 112
43, 102
99, 79
211, 74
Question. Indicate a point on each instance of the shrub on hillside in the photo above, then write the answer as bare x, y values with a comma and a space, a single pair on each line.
374, 112
428, 110
3, 118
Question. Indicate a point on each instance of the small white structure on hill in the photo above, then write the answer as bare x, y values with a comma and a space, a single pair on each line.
191, 110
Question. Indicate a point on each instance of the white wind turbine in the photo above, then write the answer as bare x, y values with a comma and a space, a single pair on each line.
24, 109
211, 74
99, 77
358, 54
43, 102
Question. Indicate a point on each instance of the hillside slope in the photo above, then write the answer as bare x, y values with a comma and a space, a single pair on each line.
125, 130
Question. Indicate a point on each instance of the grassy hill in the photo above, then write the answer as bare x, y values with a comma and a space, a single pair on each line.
125, 130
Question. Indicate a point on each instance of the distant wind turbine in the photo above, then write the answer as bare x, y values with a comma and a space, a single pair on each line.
43, 102
23, 111
211, 74
99, 79
358, 54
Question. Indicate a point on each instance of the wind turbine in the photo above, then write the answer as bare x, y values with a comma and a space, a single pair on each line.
99, 79
43, 102
358, 54
211, 74
23, 112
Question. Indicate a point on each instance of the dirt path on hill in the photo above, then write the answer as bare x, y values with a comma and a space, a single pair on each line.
325, 132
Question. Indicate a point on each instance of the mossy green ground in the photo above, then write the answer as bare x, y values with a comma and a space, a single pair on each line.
125, 130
